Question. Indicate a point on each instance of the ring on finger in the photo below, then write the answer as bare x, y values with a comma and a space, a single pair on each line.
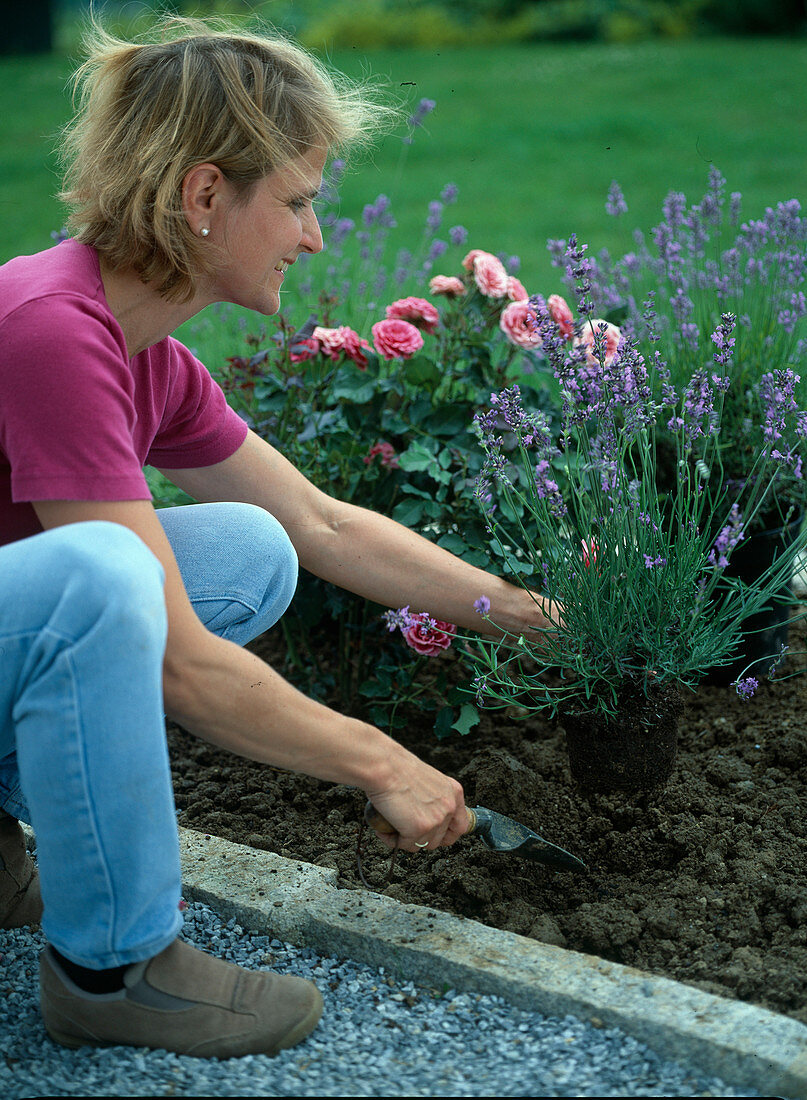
421, 844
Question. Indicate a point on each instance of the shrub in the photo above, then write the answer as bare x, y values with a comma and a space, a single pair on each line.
756, 16
376, 24
394, 434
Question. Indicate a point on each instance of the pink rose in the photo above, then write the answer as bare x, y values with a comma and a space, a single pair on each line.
417, 310
330, 340
386, 451
515, 289
342, 341
449, 285
490, 276
428, 636
518, 322
354, 347
561, 314
394, 339
304, 349
591, 331
469, 260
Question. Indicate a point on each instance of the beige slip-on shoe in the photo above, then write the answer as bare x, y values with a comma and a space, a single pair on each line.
182, 1000
20, 900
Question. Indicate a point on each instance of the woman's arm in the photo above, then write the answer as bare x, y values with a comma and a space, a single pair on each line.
360, 550
230, 697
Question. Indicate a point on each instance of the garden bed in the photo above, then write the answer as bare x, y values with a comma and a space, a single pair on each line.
704, 882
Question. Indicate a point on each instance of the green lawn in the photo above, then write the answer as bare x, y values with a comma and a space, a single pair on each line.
533, 136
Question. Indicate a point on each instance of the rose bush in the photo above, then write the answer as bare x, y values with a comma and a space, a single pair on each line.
387, 424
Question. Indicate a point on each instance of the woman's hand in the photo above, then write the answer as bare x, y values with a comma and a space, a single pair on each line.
425, 808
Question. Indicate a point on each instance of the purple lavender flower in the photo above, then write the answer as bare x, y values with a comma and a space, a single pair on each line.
723, 340
729, 537
688, 336
780, 658
735, 202
681, 305
652, 563
674, 208
577, 270
712, 202
670, 252
482, 605
425, 107
397, 620
779, 226
615, 203
698, 409
777, 390
548, 489
557, 251
746, 688
458, 234
531, 429
341, 230
509, 411
435, 216
698, 233
375, 213
403, 266
449, 193
789, 318
480, 683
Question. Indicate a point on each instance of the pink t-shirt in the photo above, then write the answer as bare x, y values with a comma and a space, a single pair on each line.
78, 419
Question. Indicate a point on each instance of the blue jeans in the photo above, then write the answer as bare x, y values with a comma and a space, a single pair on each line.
83, 755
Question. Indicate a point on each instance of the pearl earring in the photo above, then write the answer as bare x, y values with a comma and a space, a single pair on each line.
204, 232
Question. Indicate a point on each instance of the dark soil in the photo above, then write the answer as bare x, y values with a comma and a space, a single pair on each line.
704, 881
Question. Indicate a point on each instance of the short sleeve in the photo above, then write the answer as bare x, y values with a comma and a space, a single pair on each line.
197, 426
67, 404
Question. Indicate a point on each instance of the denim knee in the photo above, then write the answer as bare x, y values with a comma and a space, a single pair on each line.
237, 563
275, 563
103, 570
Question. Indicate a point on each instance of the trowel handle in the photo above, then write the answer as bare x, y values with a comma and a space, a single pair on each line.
378, 822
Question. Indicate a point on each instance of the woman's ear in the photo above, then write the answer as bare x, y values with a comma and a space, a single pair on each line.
204, 194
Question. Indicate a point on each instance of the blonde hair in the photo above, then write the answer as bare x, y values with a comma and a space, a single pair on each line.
192, 93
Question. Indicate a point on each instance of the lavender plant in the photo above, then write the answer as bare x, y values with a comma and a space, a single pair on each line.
634, 578
700, 262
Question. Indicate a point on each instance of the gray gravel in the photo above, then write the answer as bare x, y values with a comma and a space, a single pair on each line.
378, 1037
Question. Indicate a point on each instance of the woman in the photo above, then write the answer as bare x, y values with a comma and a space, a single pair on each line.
191, 170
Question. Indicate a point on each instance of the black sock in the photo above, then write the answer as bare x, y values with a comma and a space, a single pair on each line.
92, 981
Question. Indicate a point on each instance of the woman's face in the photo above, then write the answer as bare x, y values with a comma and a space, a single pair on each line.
261, 237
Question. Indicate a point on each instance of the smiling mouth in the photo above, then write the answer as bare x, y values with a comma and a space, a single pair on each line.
283, 267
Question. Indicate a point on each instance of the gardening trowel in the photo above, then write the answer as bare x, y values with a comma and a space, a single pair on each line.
500, 833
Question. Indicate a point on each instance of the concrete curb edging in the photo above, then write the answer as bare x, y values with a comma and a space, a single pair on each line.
300, 903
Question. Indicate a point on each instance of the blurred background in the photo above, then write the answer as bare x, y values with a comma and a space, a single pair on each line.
538, 105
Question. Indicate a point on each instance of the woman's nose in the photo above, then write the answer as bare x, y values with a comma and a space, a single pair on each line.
312, 234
